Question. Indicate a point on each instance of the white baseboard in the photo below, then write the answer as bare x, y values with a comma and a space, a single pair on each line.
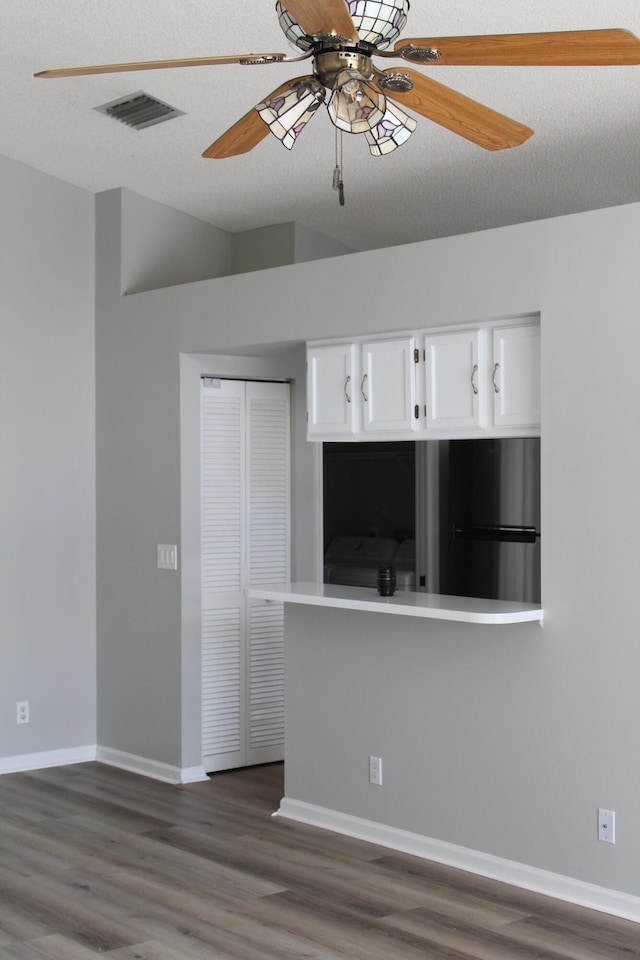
112, 758
47, 758
590, 895
150, 768
193, 774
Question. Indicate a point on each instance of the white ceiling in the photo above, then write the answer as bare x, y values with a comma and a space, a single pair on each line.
584, 155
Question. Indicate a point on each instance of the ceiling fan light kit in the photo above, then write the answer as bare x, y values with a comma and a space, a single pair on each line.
288, 114
355, 106
341, 37
394, 129
375, 22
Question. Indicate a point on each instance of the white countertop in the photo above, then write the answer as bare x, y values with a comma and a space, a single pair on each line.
432, 606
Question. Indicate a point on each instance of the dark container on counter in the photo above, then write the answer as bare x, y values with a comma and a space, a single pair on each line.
386, 581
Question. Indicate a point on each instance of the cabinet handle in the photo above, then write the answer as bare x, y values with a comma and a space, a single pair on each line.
474, 385
364, 380
496, 386
346, 389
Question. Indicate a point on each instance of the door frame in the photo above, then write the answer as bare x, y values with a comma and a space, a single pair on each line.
287, 364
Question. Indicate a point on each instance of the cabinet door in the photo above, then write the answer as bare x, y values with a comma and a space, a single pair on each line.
516, 376
453, 382
388, 385
331, 390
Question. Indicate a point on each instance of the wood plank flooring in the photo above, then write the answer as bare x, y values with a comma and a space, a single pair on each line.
97, 861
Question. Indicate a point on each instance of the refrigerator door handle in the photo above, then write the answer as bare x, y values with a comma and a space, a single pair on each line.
503, 533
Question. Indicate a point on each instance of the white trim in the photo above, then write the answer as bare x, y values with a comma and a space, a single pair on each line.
48, 758
193, 774
150, 768
590, 895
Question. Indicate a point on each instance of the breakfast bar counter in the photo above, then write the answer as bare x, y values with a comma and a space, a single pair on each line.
432, 606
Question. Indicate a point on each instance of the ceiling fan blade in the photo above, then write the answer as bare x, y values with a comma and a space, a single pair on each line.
577, 48
164, 64
458, 113
247, 132
328, 17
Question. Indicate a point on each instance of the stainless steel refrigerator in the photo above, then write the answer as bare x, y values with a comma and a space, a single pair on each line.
490, 510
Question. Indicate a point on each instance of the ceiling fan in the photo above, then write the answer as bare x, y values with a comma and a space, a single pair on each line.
341, 38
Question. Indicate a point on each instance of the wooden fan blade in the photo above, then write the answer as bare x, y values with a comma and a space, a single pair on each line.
458, 113
163, 65
322, 17
248, 132
577, 48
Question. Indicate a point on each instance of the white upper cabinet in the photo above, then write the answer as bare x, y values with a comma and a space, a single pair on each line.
452, 378
515, 376
471, 381
332, 390
388, 385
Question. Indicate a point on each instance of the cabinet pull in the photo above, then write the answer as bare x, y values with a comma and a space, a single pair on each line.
364, 380
496, 386
474, 385
346, 389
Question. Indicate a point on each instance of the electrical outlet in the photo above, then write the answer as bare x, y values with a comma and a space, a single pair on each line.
22, 711
607, 825
375, 771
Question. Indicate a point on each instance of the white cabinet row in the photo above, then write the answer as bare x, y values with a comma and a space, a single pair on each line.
476, 381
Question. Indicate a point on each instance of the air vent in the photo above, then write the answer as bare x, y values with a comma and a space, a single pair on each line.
139, 110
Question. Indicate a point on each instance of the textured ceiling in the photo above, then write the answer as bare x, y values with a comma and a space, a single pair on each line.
584, 155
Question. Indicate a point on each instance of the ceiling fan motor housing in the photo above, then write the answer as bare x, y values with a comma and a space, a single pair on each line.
329, 63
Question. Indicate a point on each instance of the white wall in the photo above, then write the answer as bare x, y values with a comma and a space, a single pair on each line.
47, 472
542, 724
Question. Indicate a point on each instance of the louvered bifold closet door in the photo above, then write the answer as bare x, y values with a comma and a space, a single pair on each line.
245, 495
268, 532
223, 537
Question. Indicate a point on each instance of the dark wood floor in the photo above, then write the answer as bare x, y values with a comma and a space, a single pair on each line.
96, 861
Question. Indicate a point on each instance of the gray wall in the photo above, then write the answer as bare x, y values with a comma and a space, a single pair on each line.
279, 245
263, 248
47, 472
310, 245
162, 246
540, 725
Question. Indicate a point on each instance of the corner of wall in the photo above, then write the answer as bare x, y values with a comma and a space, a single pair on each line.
311, 245
164, 247
263, 248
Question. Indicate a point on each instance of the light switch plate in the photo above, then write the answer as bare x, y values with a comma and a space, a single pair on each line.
167, 556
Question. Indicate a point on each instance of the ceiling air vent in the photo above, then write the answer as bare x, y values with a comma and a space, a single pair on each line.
139, 110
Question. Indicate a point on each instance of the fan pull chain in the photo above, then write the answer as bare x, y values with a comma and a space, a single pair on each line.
338, 183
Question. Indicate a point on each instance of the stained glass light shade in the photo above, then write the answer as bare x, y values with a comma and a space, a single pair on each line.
394, 129
287, 115
355, 105
377, 21
291, 30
